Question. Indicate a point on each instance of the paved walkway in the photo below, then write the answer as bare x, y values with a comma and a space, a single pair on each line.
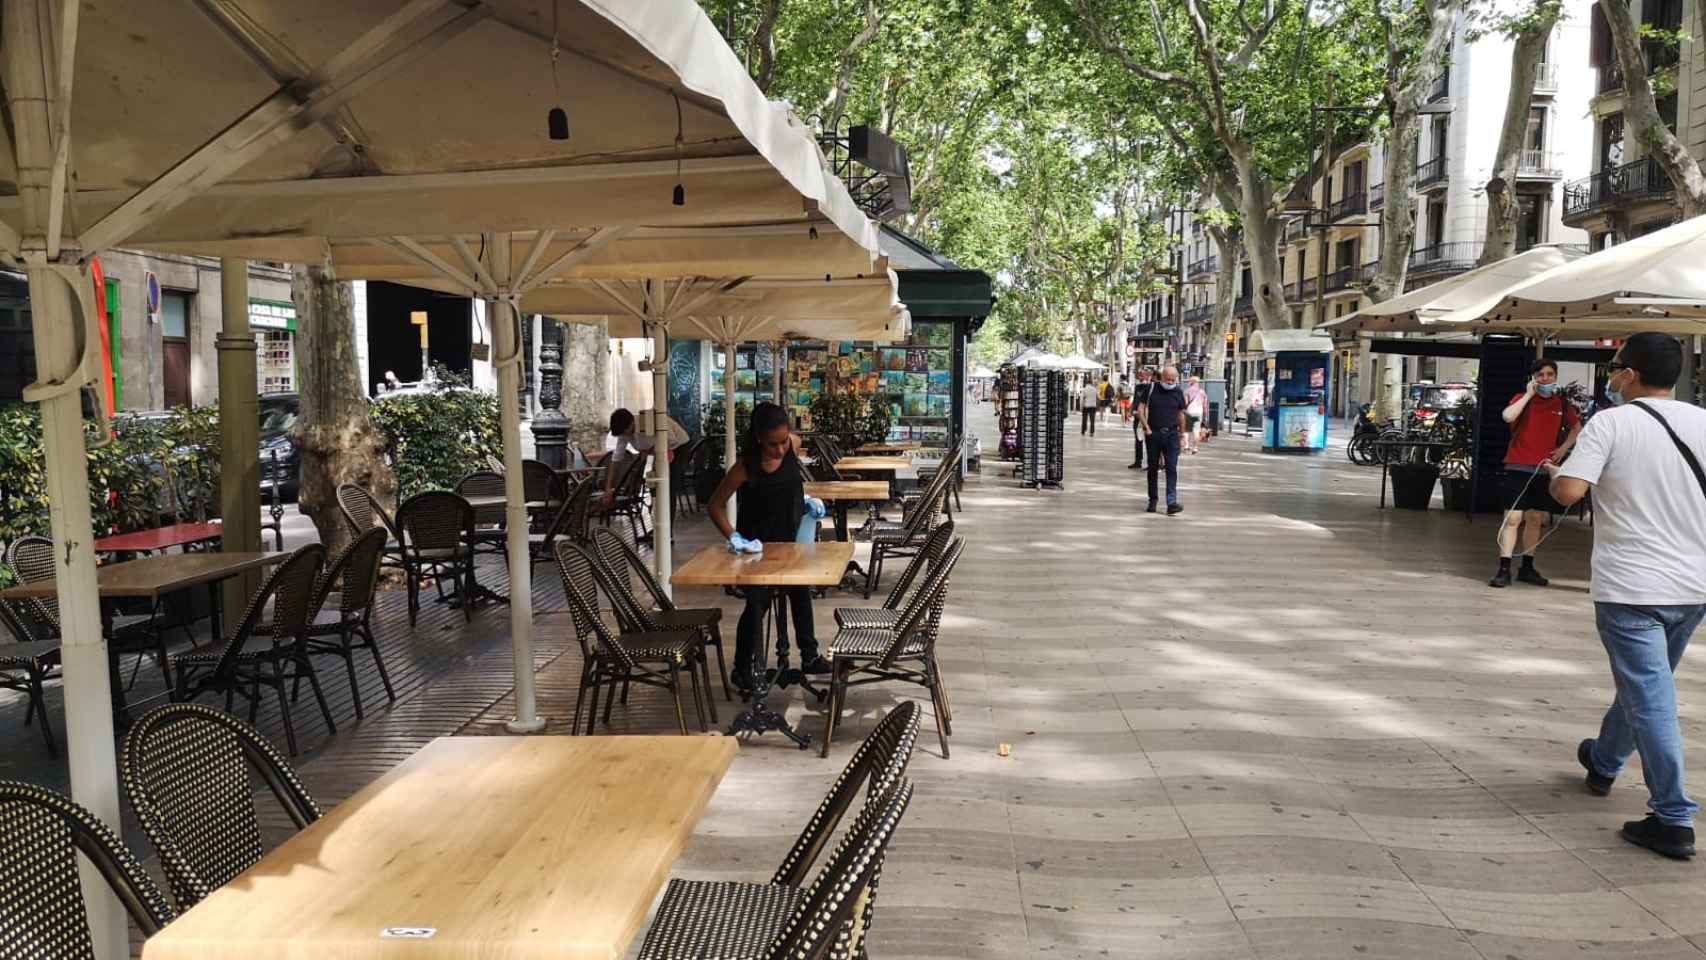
1282, 724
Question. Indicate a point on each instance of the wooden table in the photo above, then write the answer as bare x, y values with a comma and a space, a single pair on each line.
874, 464
839, 494
906, 446
475, 847
819, 564
161, 538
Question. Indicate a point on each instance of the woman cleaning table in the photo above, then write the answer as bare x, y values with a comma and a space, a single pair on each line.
771, 505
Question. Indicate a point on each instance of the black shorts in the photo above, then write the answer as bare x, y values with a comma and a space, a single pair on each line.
1537, 496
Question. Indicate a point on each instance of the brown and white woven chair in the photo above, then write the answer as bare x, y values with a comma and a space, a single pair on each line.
650, 659
904, 538
44, 916
887, 615
360, 511
438, 537
743, 921
622, 565
187, 771
26, 665
30, 559
339, 632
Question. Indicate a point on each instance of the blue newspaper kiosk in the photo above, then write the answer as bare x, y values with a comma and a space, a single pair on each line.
1295, 406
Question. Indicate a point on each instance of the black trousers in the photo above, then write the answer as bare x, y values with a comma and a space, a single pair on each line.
1089, 422
1164, 453
748, 633
1137, 437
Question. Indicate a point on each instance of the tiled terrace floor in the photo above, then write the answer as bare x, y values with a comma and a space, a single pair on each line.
1282, 724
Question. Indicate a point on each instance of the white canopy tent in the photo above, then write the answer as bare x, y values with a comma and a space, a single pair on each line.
1418, 310
196, 124
1078, 361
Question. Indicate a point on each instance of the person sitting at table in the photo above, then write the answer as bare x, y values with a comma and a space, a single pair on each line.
771, 506
629, 442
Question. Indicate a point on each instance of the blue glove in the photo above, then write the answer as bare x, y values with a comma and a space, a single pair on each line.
740, 544
816, 507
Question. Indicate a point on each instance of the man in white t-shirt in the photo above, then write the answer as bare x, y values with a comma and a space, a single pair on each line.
1649, 574
624, 431
1089, 401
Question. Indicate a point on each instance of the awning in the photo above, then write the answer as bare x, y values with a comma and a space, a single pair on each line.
1417, 311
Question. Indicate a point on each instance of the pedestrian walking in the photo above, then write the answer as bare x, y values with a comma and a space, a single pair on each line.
1139, 397
1106, 397
1163, 418
1642, 460
1196, 410
1088, 400
1544, 426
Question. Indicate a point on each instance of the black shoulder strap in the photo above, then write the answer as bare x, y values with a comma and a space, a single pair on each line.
1682, 448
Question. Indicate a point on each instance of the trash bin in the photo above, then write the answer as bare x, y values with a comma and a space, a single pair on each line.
1213, 418
1413, 485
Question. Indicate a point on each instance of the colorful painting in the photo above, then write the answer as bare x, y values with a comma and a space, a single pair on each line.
866, 361
895, 409
745, 379
893, 358
941, 381
917, 361
939, 360
917, 383
868, 382
940, 406
916, 405
803, 398
743, 360
893, 381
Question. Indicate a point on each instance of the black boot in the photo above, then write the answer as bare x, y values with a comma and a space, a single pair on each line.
1660, 837
1597, 783
1527, 574
1503, 577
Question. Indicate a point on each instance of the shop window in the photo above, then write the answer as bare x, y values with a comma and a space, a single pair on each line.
175, 347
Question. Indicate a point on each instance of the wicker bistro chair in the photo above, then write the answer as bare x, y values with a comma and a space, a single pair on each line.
438, 533
629, 497
622, 564
738, 921
652, 659
30, 559
887, 615
340, 632
242, 668
488, 521
696, 463
541, 487
890, 539
26, 665
541, 547
41, 834
187, 773
907, 652
359, 510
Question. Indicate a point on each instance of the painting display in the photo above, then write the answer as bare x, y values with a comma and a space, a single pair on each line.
916, 379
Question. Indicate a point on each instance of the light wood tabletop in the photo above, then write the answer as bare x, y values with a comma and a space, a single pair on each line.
160, 574
848, 489
502, 847
904, 446
818, 564
900, 462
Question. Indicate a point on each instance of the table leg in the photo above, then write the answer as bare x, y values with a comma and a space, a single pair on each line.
758, 717
1383, 484
854, 573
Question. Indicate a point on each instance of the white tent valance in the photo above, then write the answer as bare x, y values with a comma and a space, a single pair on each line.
1418, 310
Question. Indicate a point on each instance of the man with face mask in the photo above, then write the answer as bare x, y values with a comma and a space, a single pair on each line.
1163, 419
1539, 417
1643, 460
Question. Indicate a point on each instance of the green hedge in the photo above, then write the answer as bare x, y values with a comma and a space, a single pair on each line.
437, 437
127, 476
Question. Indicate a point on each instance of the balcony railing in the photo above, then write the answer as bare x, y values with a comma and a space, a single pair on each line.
1348, 206
1441, 88
1294, 230
1658, 55
1244, 305
1377, 196
1632, 182
1430, 173
1205, 265
1344, 278
1537, 164
1306, 287
1200, 314
1445, 257
1546, 78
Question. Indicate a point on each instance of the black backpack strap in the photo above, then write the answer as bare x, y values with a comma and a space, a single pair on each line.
1682, 448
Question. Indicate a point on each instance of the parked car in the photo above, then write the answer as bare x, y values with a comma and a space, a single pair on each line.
1252, 396
1439, 397
279, 413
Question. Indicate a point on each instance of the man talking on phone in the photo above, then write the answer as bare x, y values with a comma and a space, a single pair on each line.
1544, 426
1643, 460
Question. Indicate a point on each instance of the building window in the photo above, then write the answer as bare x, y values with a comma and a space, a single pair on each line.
1353, 179
1530, 220
1611, 141
1534, 141
1436, 222
1441, 127
175, 347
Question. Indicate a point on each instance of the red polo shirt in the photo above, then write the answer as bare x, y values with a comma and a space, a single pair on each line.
1540, 428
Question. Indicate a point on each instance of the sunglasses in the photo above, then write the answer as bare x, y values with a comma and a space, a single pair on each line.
1615, 366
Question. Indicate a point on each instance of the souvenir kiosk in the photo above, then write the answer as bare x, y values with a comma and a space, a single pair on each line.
1295, 409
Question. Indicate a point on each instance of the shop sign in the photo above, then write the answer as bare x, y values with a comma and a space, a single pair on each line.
272, 315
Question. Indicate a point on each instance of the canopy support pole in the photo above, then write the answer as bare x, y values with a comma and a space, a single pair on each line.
58, 332
657, 327
505, 320
729, 416
239, 434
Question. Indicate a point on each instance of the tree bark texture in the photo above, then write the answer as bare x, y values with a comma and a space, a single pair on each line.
1230, 247
1502, 212
337, 439
1262, 231
586, 385
1650, 131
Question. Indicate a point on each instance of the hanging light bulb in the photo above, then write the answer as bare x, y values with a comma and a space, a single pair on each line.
557, 121
680, 198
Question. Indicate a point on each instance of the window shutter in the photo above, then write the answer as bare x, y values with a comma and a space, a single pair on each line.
1599, 38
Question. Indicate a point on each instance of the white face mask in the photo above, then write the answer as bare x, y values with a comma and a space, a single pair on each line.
1169, 386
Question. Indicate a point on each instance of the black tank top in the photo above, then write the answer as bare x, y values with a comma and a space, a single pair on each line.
770, 505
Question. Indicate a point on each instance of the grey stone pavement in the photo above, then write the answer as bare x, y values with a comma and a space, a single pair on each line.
1283, 724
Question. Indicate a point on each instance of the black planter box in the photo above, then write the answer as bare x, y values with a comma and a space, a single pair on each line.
1413, 485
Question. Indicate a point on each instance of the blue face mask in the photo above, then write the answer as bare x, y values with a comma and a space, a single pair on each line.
1546, 389
1615, 397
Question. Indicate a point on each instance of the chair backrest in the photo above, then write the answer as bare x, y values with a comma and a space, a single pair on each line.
41, 834
354, 573
19, 623
633, 477
539, 482
291, 589
880, 761
621, 562
923, 611
30, 558
928, 506
483, 483
830, 920
932, 550
578, 507
356, 506
435, 520
186, 770
580, 574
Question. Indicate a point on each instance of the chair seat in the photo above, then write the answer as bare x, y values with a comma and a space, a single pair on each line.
868, 618
890, 536
718, 920
442, 553
660, 645
688, 618
16, 656
867, 644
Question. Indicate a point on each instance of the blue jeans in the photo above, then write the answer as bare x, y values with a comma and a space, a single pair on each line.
1645, 645
1164, 446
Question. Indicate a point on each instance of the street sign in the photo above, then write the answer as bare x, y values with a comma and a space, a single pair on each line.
152, 283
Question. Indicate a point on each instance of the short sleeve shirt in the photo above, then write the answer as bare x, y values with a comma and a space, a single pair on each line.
1535, 434
1164, 409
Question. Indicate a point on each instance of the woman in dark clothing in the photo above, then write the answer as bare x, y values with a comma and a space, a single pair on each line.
770, 504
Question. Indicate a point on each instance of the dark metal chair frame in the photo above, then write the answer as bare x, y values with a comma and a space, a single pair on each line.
30, 558
620, 561
905, 653
26, 665
629, 498
45, 915
887, 615
612, 660
186, 771
570, 515
442, 523
359, 509
292, 587
489, 522
354, 574
905, 539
